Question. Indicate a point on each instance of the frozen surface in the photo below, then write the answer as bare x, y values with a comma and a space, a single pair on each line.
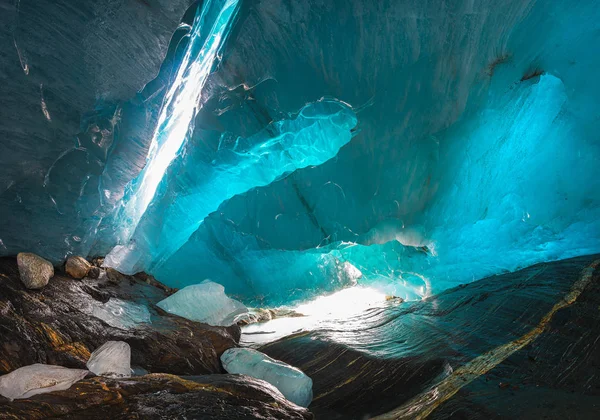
112, 359
205, 302
290, 381
122, 314
299, 151
38, 379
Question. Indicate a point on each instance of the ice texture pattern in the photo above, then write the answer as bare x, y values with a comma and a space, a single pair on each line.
297, 144
112, 359
290, 381
38, 378
122, 314
204, 302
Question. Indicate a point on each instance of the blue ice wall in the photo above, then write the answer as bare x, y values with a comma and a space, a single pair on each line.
308, 146
483, 161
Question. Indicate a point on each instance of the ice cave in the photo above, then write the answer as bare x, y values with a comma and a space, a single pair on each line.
299, 209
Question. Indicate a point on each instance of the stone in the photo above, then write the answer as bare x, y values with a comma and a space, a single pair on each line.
77, 267
112, 359
94, 272
38, 379
294, 384
58, 326
35, 272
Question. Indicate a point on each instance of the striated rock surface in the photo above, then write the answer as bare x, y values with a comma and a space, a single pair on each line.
517, 345
34, 271
57, 326
160, 396
77, 267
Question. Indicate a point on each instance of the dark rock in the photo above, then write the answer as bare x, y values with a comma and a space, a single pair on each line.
420, 344
56, 326
160, 396
94, 272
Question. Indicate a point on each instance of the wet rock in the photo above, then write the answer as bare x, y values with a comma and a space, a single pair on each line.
34, 271
58, 326
406, 349
38, 379
160, 396
77, 267
257, 315
94, 272
114, 276
113, 358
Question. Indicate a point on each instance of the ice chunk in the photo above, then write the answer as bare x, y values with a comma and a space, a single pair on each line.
205, 302
113, 358
122, 314
38, 379
294, 384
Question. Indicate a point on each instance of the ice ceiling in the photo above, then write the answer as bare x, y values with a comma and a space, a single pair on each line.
290, 148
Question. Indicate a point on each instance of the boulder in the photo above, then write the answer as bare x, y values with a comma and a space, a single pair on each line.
77, 267
160, 396
34, 271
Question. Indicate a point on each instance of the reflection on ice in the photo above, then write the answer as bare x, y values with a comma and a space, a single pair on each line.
321, 313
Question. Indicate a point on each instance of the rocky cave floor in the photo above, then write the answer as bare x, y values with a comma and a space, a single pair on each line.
554, 375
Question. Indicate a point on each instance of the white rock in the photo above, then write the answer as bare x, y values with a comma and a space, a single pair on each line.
205, 302
294, 384
38, 379
112, 359
34, 270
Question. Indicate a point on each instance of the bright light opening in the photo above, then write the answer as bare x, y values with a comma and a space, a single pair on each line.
321, 312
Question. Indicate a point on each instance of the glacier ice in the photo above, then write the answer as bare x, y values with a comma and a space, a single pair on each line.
112, 359
464, 144
122, 314
312, 137
290, 381
204, 302
38, 378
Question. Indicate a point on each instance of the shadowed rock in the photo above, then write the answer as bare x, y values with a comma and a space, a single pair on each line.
394, 356
56, 326
160, 396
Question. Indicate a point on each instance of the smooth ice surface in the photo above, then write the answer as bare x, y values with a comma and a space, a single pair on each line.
38, 379
205, 302
122, 314
112, 359
290, 381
